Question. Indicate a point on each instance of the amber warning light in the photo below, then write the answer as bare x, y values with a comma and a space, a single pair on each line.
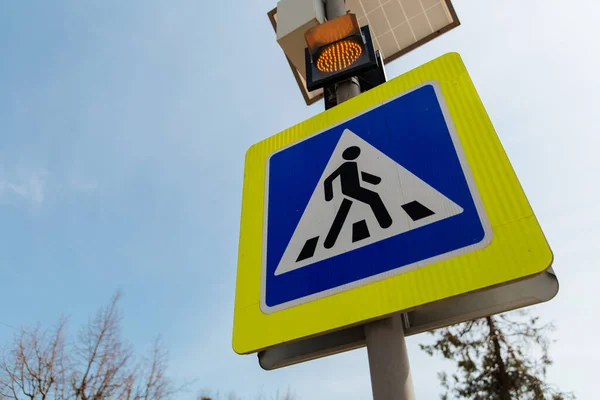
339, 55
337, 50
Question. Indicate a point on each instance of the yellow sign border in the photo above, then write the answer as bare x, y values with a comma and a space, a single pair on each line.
518, 248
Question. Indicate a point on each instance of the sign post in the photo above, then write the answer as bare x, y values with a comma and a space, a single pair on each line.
386, 346
388, 359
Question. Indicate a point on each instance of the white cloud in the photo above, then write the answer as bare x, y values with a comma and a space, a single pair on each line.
26, 184
33, 186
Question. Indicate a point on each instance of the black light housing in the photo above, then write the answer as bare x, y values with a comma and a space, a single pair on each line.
339, 60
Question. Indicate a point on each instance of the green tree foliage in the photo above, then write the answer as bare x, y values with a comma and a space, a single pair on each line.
499, 357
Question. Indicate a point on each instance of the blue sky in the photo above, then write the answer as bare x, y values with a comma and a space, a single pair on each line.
123, 129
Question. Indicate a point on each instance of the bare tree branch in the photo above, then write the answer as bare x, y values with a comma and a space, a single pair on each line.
33, 368
98, 366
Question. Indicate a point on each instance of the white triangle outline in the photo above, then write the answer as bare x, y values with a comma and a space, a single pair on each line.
398, 187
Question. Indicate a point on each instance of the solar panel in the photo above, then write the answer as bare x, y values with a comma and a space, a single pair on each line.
397, 27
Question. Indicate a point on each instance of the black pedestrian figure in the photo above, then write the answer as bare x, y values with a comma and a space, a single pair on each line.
351, 188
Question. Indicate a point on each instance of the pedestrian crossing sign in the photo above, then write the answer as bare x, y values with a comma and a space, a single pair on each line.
395, 199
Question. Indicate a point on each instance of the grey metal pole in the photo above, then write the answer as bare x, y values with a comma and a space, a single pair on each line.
388, 360
350, 87
386, 346
334, 8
